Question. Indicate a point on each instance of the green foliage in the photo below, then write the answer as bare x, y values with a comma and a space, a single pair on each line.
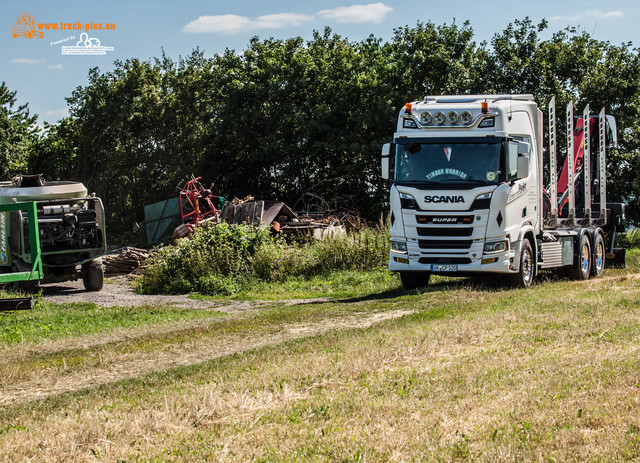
216, 260
303, 121
18, 132
629, 239
227, 259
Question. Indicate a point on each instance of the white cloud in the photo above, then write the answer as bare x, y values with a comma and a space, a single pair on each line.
56, 66
231, 23
64, 112
590, 14
275, 21
371, 12
26, 61
603, 14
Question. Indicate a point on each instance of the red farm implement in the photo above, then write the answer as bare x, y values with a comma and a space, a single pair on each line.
196, 203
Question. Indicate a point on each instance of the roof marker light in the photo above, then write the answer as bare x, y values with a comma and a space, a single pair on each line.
485, 107
407, 108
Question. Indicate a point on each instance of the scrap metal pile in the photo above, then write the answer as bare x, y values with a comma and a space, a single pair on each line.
196, 206
199, 206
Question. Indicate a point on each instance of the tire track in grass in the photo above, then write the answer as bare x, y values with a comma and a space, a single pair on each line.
127, 365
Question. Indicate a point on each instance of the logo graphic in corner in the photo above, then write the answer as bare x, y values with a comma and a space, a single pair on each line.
26, 27
86, 46
447, 152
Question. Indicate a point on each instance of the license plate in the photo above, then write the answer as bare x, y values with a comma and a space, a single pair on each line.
444, 268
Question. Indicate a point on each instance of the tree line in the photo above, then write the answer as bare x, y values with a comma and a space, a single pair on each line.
303, 121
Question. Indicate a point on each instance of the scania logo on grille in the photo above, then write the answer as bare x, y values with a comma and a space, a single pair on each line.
443, 199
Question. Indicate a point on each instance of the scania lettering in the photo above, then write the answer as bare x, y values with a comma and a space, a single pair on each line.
443, 199
468, 193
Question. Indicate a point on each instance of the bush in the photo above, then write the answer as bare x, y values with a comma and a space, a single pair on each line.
629, 238
226, 259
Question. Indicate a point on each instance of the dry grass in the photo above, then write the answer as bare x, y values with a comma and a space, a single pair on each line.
547, 374
42, 376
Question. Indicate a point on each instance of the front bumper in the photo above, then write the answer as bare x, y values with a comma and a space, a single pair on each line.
503, 264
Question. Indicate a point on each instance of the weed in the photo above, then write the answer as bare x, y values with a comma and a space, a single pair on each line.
228, 259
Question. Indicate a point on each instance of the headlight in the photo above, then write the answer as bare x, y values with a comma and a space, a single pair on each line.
407, 201
452, 117
482, 201
496, 246
439, 117
426, 118
398, 246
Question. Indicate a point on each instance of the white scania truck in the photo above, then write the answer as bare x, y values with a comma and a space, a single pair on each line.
468, 196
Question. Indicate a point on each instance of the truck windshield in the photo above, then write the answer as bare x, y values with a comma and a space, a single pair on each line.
449, 163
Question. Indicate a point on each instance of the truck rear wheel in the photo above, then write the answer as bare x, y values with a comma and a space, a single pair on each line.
93, 275
526, 269
599, 256
581, 269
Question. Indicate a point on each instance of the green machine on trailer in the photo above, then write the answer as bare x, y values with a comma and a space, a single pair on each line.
50, 232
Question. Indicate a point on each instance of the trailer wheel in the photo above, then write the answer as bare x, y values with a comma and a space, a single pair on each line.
581, 269
599, 254
526, 270
408, 280
93, 275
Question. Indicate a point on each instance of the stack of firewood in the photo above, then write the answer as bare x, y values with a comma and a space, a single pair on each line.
128, 260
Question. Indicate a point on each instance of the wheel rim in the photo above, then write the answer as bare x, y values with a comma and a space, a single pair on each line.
599, 257
585, 259
527, 266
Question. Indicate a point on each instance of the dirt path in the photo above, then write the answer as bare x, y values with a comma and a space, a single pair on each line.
117, 292
118, 364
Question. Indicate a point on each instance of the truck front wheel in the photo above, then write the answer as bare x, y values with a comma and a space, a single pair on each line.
581, 269
93, 275
413, 280
526, 269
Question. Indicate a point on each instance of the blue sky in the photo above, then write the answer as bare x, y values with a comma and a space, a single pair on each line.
43, 76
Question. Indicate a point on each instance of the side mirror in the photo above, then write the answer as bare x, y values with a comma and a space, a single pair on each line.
523, 159
386, 151
611, 135
385, 168
518, 160
523, 166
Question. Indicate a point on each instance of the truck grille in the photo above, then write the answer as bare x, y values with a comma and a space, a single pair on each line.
444, 260
445, 244
437, 219
445, 231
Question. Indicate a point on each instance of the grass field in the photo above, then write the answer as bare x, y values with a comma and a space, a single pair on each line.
460, 371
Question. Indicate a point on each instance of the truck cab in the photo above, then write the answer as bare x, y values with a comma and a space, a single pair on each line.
467, 196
